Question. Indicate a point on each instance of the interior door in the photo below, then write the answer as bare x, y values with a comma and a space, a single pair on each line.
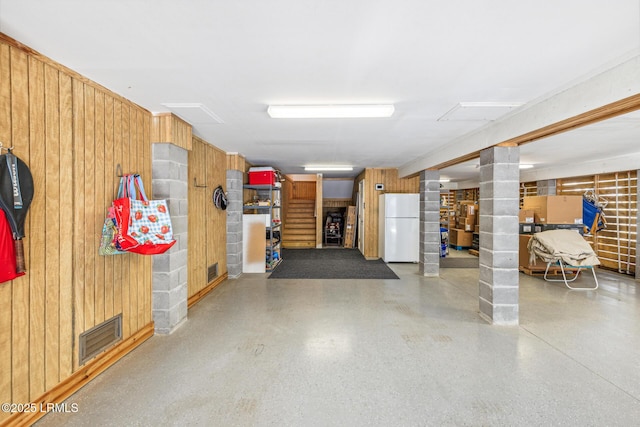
360, 203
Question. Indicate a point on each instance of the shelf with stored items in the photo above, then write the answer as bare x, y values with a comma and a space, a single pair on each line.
266, 201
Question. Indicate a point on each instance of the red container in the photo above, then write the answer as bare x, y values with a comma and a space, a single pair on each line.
262, 176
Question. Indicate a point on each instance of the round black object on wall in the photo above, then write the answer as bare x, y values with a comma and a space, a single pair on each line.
219, 198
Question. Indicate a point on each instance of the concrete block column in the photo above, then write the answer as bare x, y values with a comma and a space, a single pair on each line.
429, 261
546, 187
499, 197
234, 223
170, 182
637, 225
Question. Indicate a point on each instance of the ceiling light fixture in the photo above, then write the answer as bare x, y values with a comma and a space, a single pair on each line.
328, 168
329, 111
526, 166
444, 180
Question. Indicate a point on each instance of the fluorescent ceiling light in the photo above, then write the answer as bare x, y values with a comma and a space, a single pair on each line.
329, 111
444, 180
328, 168
526, 166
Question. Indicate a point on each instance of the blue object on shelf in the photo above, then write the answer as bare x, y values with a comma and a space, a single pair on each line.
589, 213
444, 241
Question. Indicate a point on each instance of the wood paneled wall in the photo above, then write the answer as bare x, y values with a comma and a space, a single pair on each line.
392, 184
72, 133
304, 190
207, 224
167, 127
236, 162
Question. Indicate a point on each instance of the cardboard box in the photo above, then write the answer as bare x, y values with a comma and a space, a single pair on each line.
466, 224
555, 209
526, 228
523, 251
467, 208
526, 216
458, 237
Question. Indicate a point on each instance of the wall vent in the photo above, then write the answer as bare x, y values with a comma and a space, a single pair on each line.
100, 337
212, 272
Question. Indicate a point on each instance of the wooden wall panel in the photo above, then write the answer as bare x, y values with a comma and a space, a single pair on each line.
19, 139
392, 184
36, 238
66, 229
304, 190
169, 128
196, 220
72, 133
6, 289
207, 224
236, 162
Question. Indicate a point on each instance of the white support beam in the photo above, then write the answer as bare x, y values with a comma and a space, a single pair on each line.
614, 84
599, 166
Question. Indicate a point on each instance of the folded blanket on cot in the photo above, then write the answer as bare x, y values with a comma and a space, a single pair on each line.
565, 245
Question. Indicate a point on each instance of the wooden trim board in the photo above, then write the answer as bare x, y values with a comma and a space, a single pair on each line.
201, 293
81, 377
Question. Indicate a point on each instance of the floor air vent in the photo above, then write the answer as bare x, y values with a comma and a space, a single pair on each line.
212, 272
100, 337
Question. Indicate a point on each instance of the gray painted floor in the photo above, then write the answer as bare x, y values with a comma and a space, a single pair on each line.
409, 352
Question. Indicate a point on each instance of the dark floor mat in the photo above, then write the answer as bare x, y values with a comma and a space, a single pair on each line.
330, 263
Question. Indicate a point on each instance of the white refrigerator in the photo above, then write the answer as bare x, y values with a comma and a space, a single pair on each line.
399, 227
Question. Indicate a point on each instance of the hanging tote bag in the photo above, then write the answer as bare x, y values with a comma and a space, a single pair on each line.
144, 226
108, 240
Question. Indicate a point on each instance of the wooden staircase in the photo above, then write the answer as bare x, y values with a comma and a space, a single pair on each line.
299, 229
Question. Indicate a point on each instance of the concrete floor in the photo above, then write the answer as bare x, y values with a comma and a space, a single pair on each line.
409, 352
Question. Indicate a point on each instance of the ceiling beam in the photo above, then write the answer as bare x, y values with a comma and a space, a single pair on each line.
611, 93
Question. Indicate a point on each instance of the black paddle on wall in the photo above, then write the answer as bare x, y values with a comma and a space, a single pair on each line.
16, 194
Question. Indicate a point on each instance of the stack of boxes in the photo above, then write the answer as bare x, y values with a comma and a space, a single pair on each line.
542, 213
466, 220
526, 228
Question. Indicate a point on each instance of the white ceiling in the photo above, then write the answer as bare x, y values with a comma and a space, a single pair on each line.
237, 57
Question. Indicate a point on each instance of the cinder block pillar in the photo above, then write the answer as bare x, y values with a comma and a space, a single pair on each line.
637, 225
170, 177
429, 262
234, 223
546, 187
499, 196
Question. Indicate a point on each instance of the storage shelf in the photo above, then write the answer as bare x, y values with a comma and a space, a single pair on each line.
261, 187
272, 243
252, 207
273, 265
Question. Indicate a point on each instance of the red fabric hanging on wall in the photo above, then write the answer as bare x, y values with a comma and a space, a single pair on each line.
7, 251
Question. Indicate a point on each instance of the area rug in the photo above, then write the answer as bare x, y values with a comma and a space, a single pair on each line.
330, 263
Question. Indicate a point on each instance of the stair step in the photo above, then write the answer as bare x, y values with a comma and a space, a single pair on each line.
299, 237
308, 231
292, 245
309, 227
300, 215
296, 212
